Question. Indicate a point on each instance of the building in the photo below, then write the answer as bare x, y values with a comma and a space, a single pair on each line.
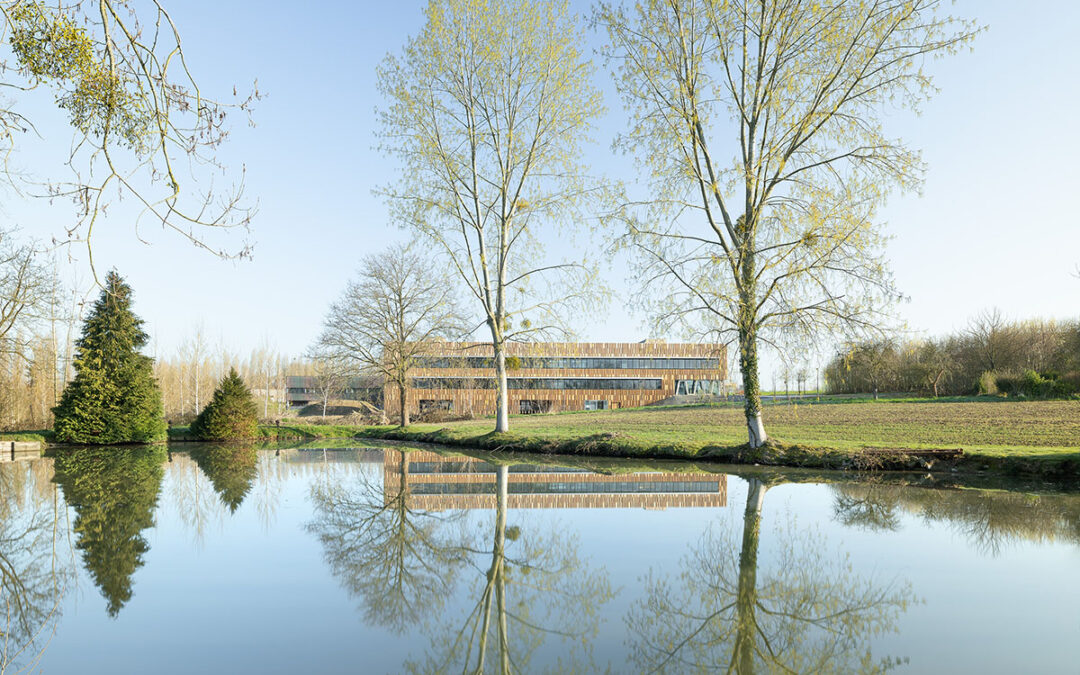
435, 482
302, 390
458, 377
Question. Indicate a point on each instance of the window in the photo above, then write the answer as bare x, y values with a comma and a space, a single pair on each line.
596, 405
428, 405
534, 407
698, 387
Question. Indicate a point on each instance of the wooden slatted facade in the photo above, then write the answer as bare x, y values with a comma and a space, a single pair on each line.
457, 377
436, 482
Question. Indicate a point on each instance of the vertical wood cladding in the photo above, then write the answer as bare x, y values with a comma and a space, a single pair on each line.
480, 401
456, 482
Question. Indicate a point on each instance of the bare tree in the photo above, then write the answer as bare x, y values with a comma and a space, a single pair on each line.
388, 316
331, 372
26, 287
781, 238
486, 113
993, 338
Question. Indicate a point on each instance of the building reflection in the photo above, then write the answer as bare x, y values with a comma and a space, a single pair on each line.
436, 482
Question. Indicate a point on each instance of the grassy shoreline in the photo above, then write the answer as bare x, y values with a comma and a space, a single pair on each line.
1023, 438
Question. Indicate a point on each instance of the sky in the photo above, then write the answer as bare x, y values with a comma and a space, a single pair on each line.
995, 224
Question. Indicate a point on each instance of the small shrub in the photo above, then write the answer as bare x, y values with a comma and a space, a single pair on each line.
1008, 384
988, 383
1071, 381
230, 415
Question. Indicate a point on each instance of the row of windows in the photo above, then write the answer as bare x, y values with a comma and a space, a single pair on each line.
312, 390
573, 362
473, 467
538, 383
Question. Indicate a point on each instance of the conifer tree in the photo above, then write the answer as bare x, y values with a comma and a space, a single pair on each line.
231, 413
114, 397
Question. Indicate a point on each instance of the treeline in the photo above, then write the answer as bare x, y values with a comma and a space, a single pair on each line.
188, 376
1037, 358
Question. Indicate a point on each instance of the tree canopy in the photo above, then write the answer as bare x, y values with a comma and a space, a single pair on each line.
760, 125
487, 110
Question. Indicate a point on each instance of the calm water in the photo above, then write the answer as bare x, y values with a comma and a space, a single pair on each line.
229, 560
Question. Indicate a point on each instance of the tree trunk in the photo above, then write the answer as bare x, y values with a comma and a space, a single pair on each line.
748, 364
746, 594
403, 404
502, 402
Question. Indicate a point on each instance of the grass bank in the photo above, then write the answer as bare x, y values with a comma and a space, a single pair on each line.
1016, 437
284, 432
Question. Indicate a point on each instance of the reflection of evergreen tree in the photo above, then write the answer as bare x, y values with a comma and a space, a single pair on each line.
231, 469
114, 492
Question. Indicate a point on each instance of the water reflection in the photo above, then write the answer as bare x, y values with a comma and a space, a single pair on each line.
805, 611
399, 561
989, 520
230, 468
114, 492
36, 568
496, 564
528, 585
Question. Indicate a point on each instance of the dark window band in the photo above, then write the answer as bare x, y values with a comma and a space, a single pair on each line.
574, 362
519, 383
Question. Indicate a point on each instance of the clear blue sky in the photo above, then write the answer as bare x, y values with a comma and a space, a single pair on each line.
996, 224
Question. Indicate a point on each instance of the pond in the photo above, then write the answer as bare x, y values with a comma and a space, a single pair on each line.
219, 559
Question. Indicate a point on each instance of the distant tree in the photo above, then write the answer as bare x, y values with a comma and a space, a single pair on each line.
331, 373
487, 109
761, 124
993, 338
877, 359
388, 317
230, 415
934, 363
25, 286
114, 397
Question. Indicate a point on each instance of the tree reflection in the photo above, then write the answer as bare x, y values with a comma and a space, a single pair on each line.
400, 562
35, 566
989, 519
113, 491
530, 587
804, 612
231, 469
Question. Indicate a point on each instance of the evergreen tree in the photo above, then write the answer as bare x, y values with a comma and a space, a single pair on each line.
231, 413
114, 397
